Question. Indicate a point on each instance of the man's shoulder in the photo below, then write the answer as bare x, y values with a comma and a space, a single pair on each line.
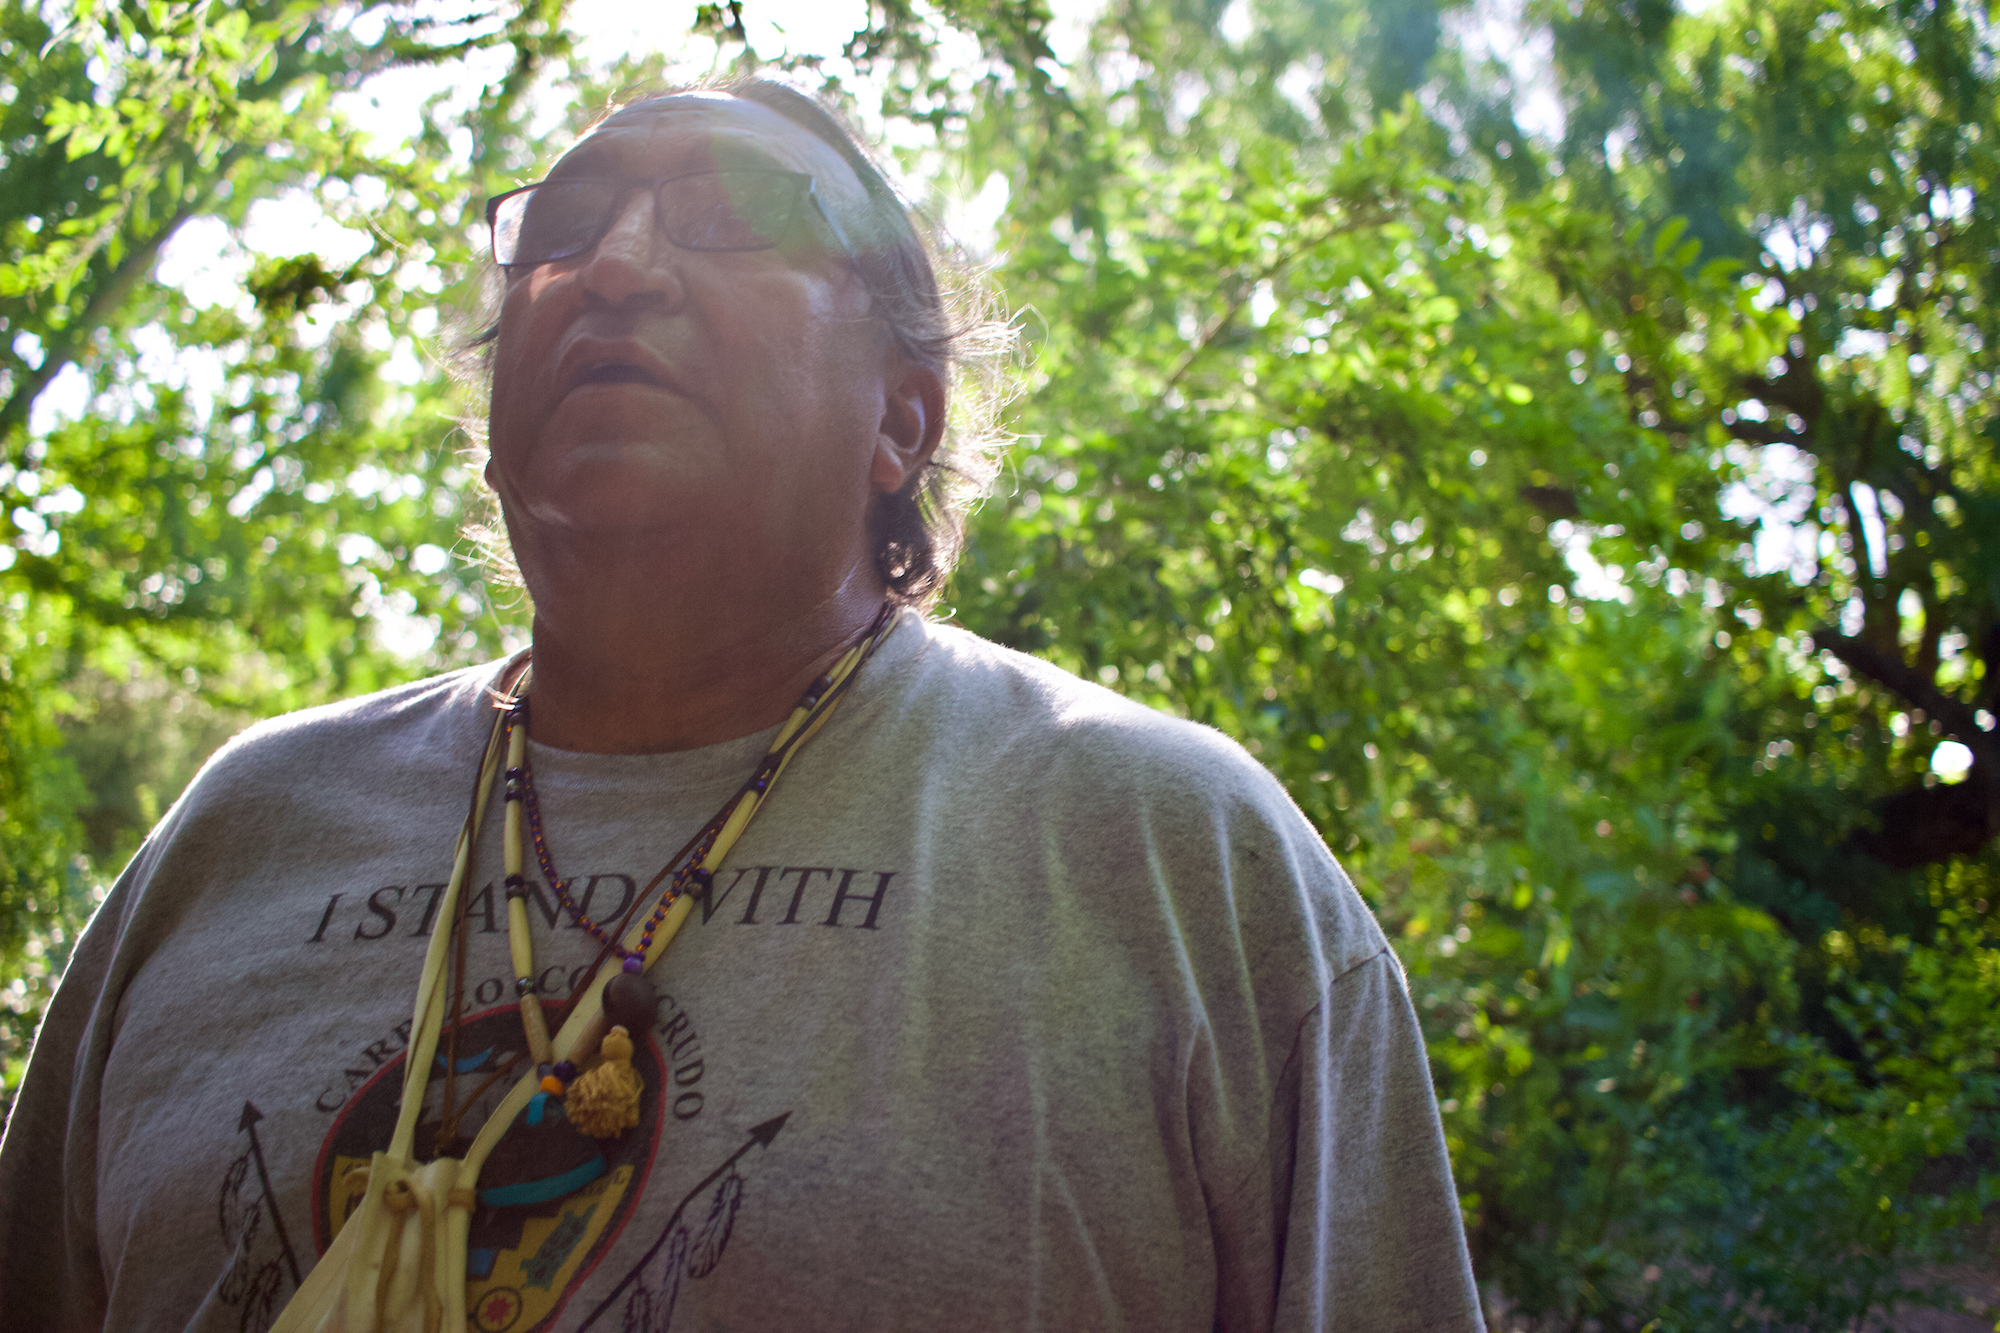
1074, 730
391, 726
1133, 800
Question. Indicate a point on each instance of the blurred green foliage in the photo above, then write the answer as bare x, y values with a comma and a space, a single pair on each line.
1594, 521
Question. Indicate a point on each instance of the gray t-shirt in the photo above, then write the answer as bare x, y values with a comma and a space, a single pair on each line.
1018, 1007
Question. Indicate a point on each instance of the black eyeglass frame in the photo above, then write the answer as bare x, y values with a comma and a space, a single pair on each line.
633, 184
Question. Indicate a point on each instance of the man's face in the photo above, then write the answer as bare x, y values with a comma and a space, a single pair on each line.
732, 397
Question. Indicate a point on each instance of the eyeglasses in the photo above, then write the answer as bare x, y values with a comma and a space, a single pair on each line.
705, 210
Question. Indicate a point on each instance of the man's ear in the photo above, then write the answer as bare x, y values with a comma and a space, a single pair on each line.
912, 425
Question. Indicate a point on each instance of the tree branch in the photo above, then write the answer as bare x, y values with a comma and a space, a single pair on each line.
1922, 825
1958, 718
1241, 295
110, 293
1763, 432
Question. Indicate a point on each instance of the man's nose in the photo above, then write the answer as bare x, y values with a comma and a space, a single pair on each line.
633, 259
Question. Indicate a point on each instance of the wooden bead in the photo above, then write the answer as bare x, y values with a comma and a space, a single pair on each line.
630, 1001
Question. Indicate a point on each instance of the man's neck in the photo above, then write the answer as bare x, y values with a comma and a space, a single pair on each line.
625, 666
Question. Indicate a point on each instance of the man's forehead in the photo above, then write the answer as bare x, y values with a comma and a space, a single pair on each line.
689, 131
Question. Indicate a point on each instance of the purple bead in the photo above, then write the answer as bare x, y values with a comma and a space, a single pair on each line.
565, 1071
634, 963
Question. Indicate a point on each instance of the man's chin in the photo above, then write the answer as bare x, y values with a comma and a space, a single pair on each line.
626, 519
611, 490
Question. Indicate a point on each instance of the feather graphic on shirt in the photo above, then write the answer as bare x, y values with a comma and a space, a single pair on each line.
713, 1237
241, 1205
652, 1311
688, 1255
682, 1250
239, 1218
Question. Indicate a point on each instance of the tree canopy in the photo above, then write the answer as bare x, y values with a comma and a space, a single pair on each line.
1565, 458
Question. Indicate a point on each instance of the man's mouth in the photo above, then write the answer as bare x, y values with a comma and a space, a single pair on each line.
596, 361
617, 372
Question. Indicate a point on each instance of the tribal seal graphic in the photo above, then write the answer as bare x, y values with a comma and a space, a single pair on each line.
551, 1200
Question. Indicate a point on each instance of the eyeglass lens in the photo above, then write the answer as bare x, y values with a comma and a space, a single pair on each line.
718, 210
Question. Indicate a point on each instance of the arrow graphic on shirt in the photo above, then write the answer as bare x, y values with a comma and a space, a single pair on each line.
760, 1137
248, 1121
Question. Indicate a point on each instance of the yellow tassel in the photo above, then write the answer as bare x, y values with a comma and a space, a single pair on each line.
604, 1102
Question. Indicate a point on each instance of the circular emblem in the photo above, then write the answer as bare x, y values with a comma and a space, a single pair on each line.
497, 1310
551, 1199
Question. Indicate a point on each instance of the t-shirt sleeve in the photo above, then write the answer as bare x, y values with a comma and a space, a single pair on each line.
1311, 1117
1370, 1237
50, 1275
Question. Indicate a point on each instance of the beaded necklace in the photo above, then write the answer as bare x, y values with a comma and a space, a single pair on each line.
604, 1100
399, 1260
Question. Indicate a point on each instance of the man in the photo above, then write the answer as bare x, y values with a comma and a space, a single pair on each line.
1017, 1006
